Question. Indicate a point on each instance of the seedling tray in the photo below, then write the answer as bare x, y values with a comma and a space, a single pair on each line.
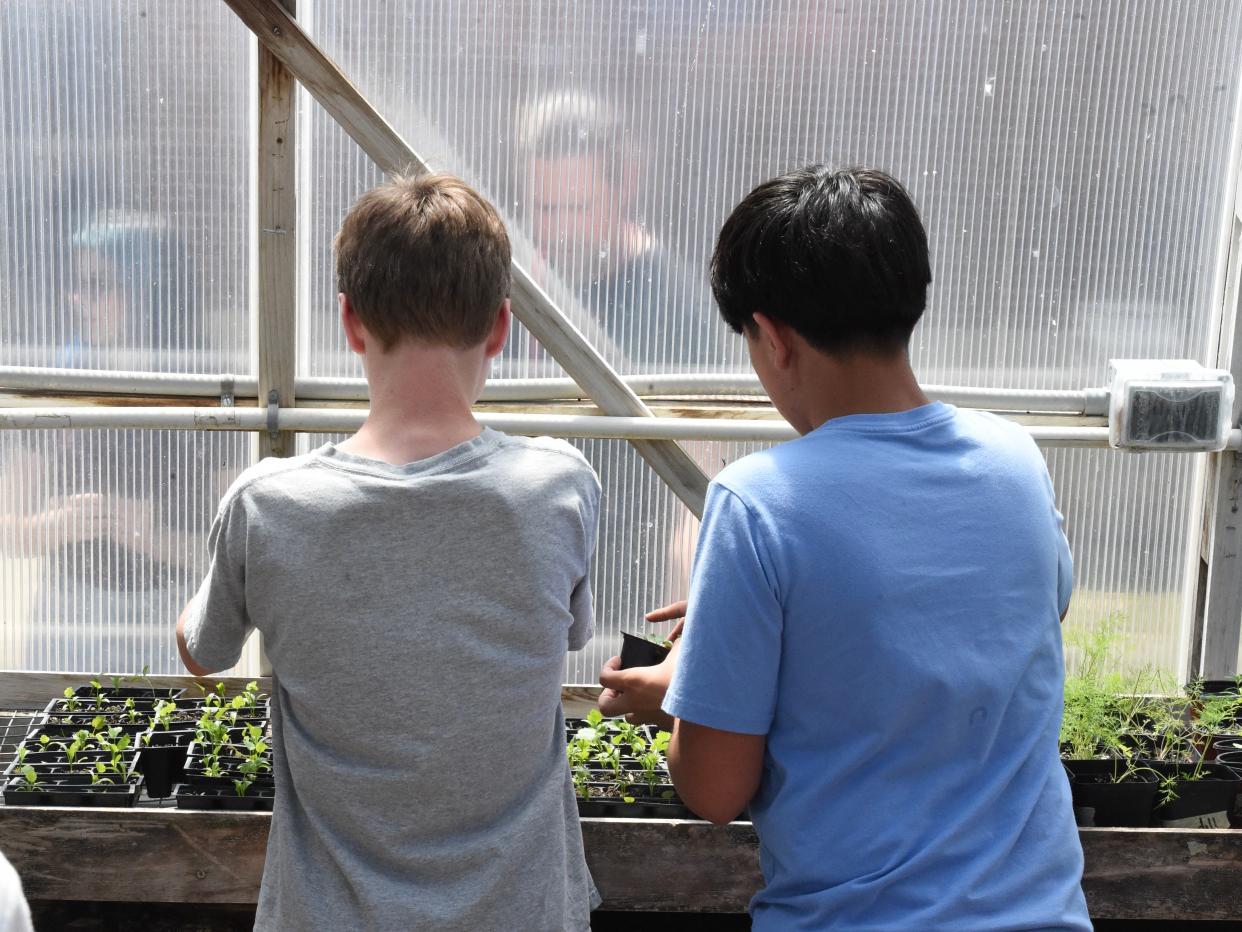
257, 799
149, 693
72, 791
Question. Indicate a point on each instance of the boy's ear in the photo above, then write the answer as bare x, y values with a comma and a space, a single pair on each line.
499, 336
776, 338
355, 332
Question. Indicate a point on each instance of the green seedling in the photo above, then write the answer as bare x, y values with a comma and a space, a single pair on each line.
162, 714
31, 778
71, 701
99, 693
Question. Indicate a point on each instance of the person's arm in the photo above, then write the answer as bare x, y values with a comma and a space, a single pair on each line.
190, 663
720, 680
716, 772
215, 624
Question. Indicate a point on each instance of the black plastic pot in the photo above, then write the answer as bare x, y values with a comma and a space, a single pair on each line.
1112, 804
162, 760
637, 651
257, 799
1204, 803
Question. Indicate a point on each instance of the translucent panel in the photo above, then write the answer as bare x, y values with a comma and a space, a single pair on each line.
1069, 158
102, 542
124, 136
1130, 524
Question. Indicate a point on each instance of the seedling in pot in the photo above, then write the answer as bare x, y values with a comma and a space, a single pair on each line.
71, 701
643, 650
31, 778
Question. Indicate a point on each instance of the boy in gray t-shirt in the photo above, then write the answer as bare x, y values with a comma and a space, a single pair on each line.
417, 587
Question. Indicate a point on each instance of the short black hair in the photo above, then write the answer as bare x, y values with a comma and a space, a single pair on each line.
839, 255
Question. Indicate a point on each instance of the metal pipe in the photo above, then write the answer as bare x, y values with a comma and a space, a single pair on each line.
1093, 402
338, 420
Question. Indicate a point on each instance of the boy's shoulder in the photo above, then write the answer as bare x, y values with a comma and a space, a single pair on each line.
272, 472
546, 457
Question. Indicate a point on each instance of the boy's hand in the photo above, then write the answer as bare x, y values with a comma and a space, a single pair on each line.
668, 613
637, 692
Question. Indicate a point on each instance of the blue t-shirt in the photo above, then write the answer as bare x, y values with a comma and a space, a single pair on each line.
882, 599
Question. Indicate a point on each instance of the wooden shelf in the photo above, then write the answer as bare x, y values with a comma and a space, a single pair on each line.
169, 856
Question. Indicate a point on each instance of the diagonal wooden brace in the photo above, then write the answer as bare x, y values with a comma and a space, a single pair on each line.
281, 34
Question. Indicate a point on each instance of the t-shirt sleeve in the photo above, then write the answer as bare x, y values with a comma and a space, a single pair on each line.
729, 664
217, 624
1065, 559
581, 600
1065, 567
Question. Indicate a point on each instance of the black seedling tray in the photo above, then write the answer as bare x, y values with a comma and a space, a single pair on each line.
257, 799
72, 791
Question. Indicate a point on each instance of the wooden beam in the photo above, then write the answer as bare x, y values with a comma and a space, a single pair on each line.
277, 236
281, 34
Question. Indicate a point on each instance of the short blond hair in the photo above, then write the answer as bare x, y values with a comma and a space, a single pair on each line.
426, 258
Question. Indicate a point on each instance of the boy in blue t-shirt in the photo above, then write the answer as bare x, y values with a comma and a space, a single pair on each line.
872, 655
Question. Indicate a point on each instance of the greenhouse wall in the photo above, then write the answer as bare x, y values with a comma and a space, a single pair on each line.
1070, 161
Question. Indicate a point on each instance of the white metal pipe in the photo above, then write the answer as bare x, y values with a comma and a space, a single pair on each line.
338, 420
27, 379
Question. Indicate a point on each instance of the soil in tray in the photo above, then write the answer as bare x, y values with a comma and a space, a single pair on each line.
257, 799
68, 724
151, 693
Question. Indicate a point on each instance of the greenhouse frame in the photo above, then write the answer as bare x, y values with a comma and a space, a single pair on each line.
1078, 167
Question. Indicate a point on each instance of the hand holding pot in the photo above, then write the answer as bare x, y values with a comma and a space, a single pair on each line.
637, 692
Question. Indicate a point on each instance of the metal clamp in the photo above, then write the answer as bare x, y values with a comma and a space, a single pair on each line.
227, 391
273, 416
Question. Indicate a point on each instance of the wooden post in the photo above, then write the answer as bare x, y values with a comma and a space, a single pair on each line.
281, 34
278, 255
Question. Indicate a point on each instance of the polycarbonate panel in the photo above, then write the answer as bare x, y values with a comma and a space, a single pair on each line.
1069, 160
103, 540
126, 152
1130, 524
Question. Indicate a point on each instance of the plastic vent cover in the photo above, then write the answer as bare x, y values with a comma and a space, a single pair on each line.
1168, 404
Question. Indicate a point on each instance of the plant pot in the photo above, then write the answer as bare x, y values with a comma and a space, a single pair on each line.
1224, 744
637, 650
1204, 803
162, 760
1128, 803
257, 799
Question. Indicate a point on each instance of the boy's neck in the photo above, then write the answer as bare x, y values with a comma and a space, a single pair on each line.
860, 384
421, 400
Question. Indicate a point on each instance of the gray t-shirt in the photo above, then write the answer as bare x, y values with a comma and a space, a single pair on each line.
417, 619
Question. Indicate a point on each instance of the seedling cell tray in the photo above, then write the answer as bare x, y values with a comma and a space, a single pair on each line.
257, 799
